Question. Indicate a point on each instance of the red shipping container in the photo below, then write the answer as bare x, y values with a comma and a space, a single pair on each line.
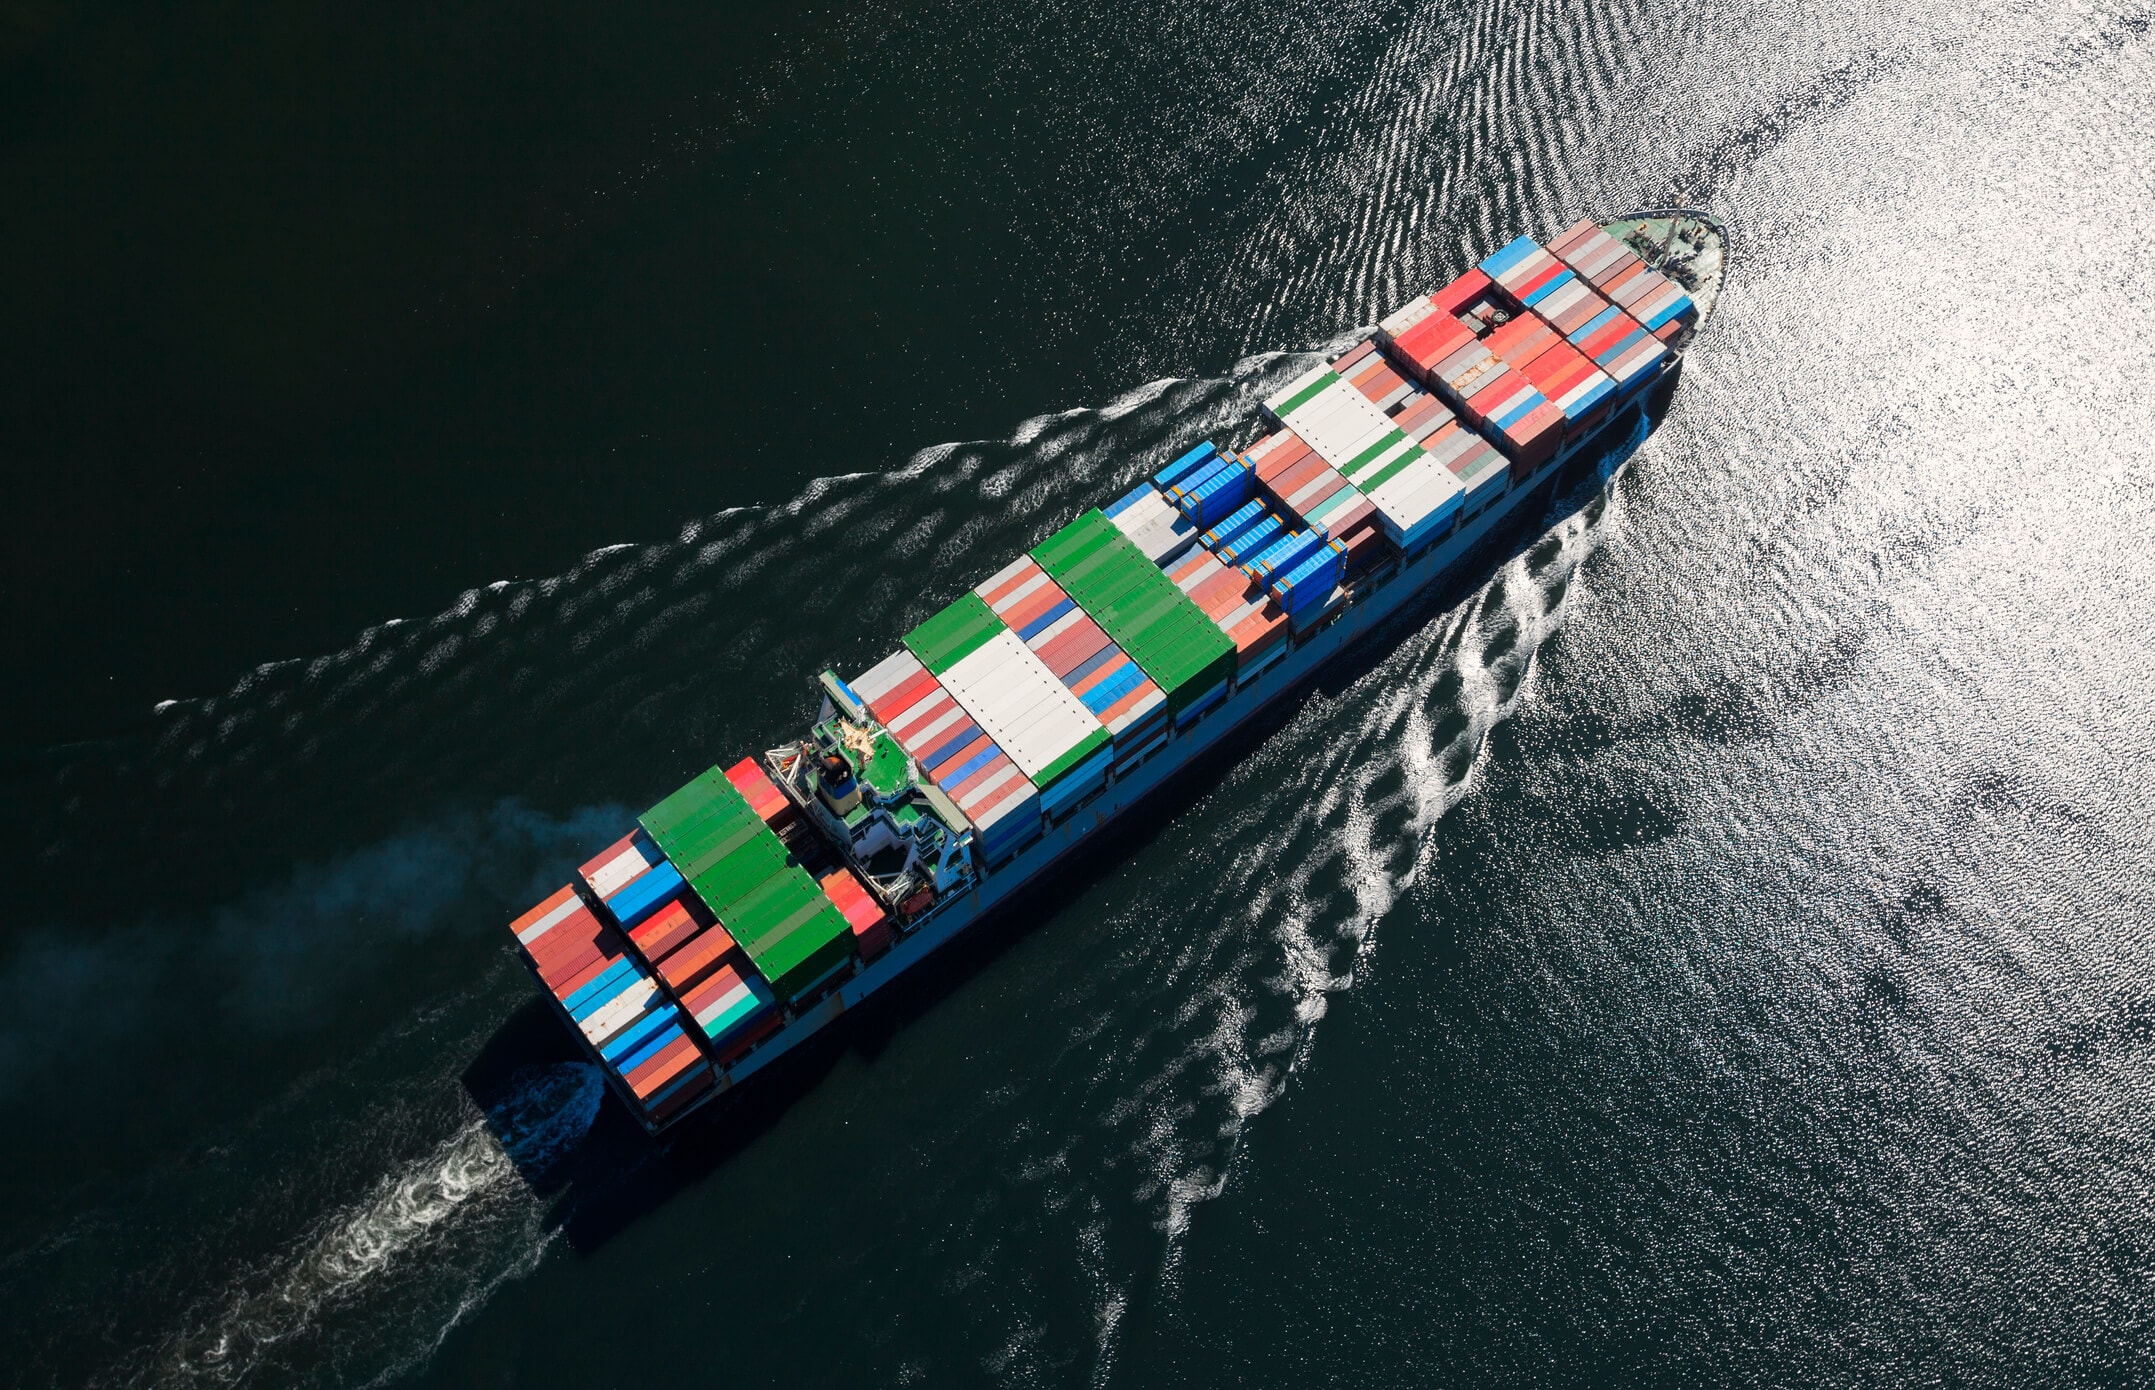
1283, 459
1413, 412
1312, 494
569, 962
559, 951
1353, 356
1379, 384
1558, 369
556, 905
1305, 470
995, 595
645, 856
863, 911
1073, 647
670, 1061
978, 744
763, 795
1540, 434
1034, 606
693, 961
1621, 285
1424, 347
1570, 236
669, 927
1458, 294
1667, 332
736, 1044
908, 693
1518, 293
563, 941
1522, 340
583, 975
980, 777
689, 1093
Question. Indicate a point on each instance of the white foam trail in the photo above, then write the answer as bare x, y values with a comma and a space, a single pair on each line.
421, 1212
1373, 797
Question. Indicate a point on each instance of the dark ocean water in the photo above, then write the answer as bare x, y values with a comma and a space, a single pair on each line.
1713, 945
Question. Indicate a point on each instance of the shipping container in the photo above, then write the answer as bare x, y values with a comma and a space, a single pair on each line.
863, 911
1152, 524
1138, 607
1236, 604
620, 864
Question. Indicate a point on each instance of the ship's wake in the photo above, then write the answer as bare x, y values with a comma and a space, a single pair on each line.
374, 1286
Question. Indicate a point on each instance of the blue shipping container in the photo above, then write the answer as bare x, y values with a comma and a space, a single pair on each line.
642, 897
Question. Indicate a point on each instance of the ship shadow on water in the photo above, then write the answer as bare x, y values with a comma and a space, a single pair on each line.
617, 1173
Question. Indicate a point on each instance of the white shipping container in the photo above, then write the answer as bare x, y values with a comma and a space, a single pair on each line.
1294, 388
1406, 316
1010, 692
619, 872
887, 675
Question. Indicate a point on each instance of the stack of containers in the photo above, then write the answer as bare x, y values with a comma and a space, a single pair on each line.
1312, 491
861, 909
665, 931
1072, 646
1018, 702
1480, 469
953, 752
1657, 303
1421, 415
1238, 606
732, 1009
764, 797
1142, 612
1558, 370
685, 951
1566, 302
793, 935
1153, 525
1437, 338
1302, 573
1249, 514
619, 1010
1426, 333
1620, 346
1524, 270
1235, 544
1206, 484
693, 961
1365, 369
1539, 281
1415, 496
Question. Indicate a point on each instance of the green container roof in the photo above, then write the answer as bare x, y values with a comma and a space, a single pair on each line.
697, 797
793, 933
698, 845
807, 953
1139, 607
724, 884
1090, 744
760, 912
954, 634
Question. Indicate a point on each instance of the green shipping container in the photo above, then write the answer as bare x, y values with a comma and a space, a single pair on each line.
1139, 608
954, 634
697, 845
726, 883
697, 798
807, 953
791, 931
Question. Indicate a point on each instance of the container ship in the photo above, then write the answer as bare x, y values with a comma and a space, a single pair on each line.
754, 906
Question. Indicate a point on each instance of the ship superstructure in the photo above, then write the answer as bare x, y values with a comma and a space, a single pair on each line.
753, 906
